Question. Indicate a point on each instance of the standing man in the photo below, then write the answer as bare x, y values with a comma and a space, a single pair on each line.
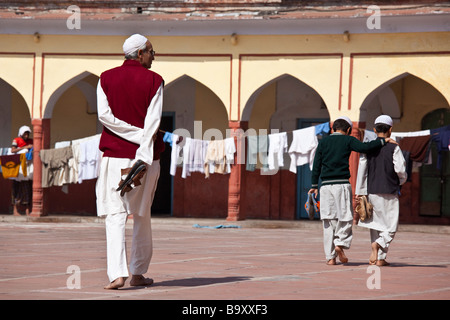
129, 104
380, 174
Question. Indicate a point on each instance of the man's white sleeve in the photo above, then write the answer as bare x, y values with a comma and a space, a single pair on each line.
151, 126
115, 125
400, 165
361, 179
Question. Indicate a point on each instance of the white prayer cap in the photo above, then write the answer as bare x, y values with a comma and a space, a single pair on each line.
385, 119
24, 129
346, 119
133, 43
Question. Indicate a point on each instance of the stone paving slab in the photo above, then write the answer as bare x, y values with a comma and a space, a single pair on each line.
249, 263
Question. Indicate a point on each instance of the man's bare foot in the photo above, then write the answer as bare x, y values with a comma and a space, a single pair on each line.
116, 284
342, 257
140, 280
374, 254
382, 263
16, 211
331, 262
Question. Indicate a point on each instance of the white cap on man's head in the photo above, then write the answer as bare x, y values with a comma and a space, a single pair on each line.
133, 43
385, 119
346, 119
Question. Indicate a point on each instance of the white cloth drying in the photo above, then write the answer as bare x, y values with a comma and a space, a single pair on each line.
303, 148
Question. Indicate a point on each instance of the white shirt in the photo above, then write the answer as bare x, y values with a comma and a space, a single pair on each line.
303, 148
277, 147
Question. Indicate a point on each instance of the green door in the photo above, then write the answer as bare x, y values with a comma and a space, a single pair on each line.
434, 182
304, 173
162, 202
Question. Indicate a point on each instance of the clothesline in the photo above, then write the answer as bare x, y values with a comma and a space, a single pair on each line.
216, 156
198, 155
271, 148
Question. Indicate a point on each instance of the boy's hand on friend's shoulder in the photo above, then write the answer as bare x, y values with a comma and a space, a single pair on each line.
390, 140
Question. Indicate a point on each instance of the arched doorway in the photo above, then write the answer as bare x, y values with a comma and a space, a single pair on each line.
414, 104
72, 104
284, 104
195, 108
14, 114
435, 177
406, 98
72, 114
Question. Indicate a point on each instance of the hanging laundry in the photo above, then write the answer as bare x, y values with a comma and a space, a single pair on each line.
215, 159
5, 151
168, 137
197, 154
303, 148
186, 151
55, 166
418, 147
89, 160
441, 136
11, 165
369, 136
399, 135
194, 152
230, 150
277, 147
409, 164
75, 163
257, 145
219, 156
29, 154
62, 144
323, 128
28, 174
175, 155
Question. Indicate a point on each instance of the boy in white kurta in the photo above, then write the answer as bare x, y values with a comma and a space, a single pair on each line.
380, 175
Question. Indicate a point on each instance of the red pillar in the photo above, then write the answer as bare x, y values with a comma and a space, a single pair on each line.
236, 183
40, 140
354, 164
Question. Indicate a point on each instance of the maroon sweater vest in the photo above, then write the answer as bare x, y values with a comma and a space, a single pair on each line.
129, 89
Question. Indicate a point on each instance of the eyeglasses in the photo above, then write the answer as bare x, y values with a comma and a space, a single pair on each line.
152, 52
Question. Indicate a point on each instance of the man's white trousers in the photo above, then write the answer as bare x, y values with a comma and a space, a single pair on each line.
141, 245
116, 209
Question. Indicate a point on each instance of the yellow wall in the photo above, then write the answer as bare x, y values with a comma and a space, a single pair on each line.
342, 77
20, 114
265, 105
416, 99
71, 118
210, 110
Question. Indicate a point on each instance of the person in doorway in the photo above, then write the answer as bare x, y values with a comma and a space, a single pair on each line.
129, 99
380, 174
332, 166
22, 188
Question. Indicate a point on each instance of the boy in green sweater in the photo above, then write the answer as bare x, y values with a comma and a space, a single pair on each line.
332, 166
